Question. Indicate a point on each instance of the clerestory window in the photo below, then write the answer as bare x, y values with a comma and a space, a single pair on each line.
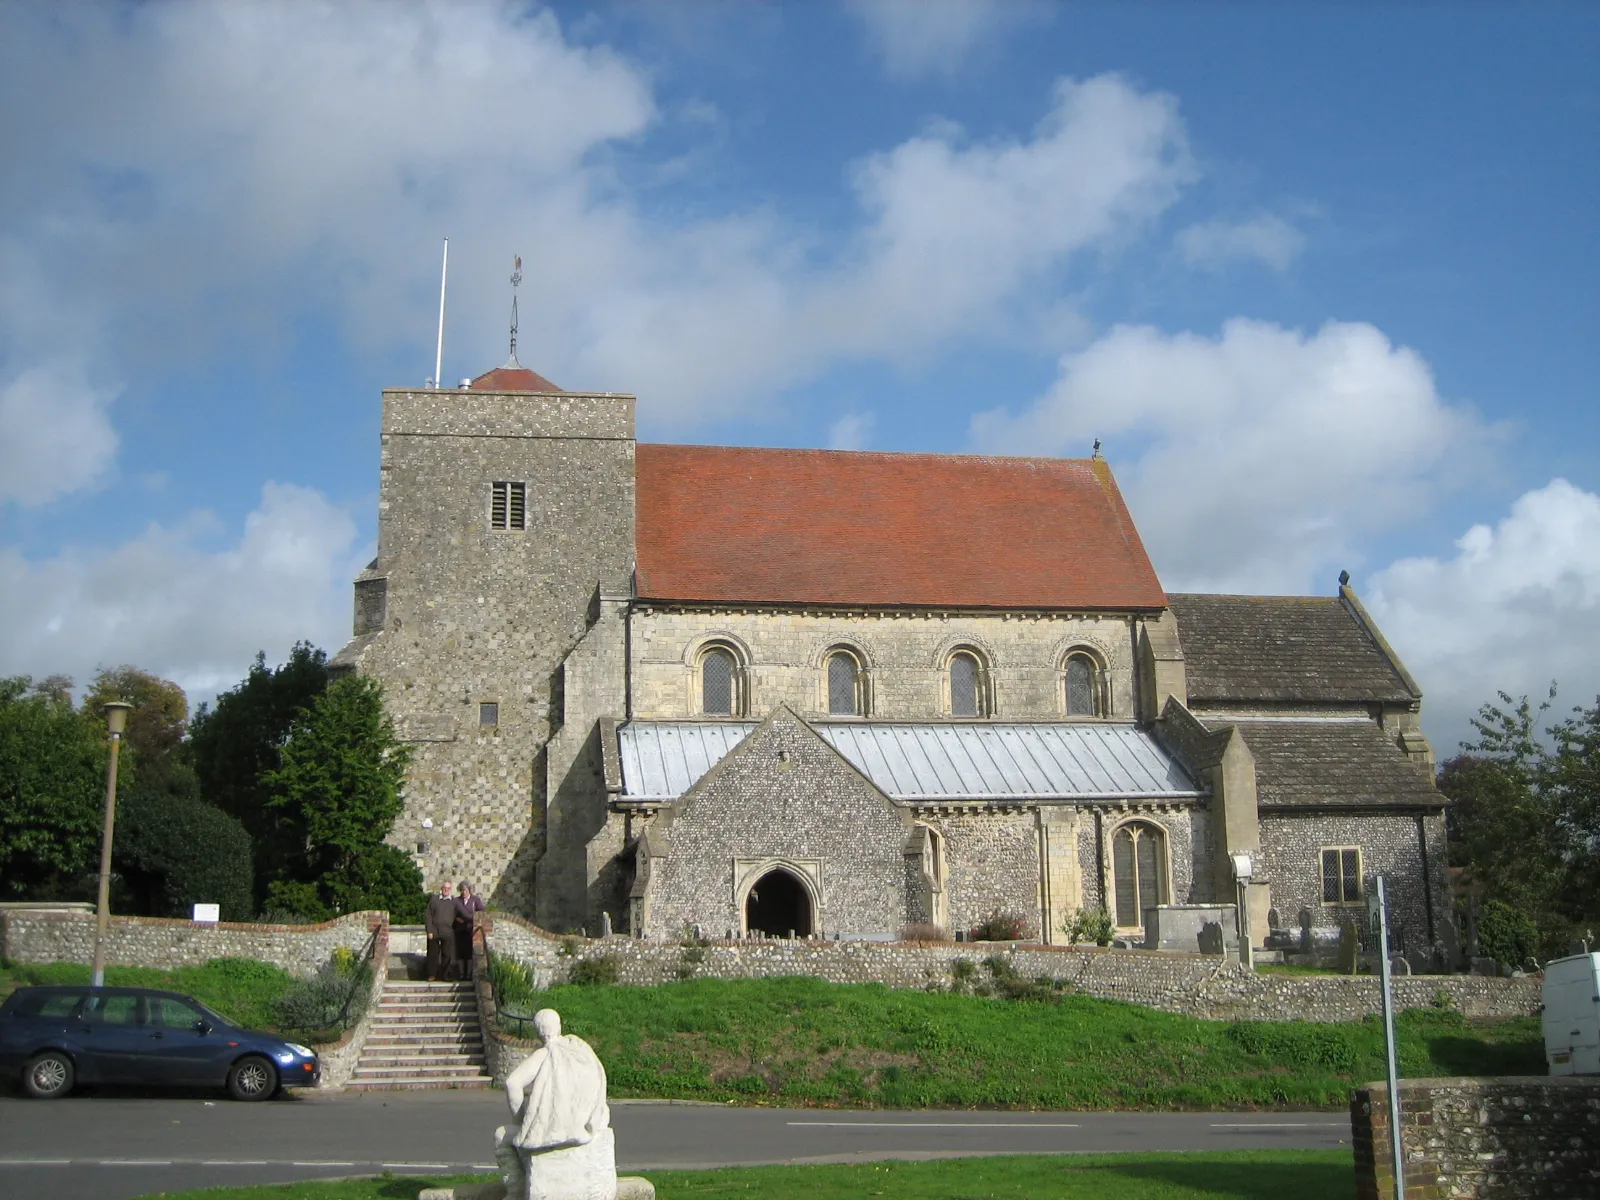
845, 685
969, 685
1084, 686
721, 690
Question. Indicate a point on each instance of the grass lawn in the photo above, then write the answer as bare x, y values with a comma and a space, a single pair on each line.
241, 989
1228, 1175
802, 1041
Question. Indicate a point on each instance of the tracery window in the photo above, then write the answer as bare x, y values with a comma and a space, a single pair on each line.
721, 691
846, 694
1139, 869
969, 685
1084, 686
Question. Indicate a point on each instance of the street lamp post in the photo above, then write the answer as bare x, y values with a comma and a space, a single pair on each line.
1242, 870
116, 720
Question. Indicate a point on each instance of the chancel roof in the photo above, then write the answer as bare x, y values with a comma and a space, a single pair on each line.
1282, 650
1350, 763
729, 524
930, 761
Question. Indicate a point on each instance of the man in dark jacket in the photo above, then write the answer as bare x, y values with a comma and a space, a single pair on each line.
441, 926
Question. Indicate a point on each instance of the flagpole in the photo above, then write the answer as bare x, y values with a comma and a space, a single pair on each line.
438, 354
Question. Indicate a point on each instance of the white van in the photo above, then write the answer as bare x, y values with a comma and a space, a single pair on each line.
1572, 1015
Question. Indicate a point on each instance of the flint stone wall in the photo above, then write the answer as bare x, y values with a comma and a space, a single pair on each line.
1531, 1137
55, 936
1197, 985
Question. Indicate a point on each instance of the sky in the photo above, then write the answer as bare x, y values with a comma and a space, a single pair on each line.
1321, 277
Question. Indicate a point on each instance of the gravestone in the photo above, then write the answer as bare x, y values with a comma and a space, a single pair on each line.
1349, 947
605, 924
1210, 938
1306, 942
1398, 965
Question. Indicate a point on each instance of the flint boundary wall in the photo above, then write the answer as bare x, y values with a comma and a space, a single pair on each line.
1513, 1137
339, 1059
33, 936
1204, 986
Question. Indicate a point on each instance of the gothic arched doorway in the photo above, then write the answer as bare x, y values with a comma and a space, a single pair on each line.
778, 905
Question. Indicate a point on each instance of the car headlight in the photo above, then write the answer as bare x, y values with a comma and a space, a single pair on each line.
286, 1056
303, 1051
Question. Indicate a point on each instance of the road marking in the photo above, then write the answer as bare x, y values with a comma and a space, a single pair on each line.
1278, 1124
322, 1164
936, 1124
417, 1166
132, 1162
35, 1162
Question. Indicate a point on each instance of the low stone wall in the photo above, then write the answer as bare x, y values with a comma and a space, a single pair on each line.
41, 936
1197, 985
338, 1059
1528, 1137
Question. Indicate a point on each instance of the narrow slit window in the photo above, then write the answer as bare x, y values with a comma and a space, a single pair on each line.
966, 687
489, 713
717, 683
1083, 687
508, 505
843, 685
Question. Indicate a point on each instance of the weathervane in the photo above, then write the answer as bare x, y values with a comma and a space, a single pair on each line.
516, 279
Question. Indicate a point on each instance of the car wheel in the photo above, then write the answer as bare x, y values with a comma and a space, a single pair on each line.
48, 1075
252, 1078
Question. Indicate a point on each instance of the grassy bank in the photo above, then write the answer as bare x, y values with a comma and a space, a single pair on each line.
1236, 1175
240, 989
804, 1041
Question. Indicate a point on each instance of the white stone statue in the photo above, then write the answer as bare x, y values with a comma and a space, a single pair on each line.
560, 1146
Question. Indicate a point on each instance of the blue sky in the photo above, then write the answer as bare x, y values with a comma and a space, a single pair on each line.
1321, 277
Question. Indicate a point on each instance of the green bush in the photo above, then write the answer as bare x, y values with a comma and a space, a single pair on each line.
601, 969
329, 1002
1507, 934
1090, 925
189, 851
1000, 926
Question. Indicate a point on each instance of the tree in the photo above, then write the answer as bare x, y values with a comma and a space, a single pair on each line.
172, 850
235, 745
52, 792
1525, 820
343, 768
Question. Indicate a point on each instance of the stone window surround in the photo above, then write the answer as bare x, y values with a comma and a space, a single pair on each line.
1361, 882
695, 662
863, 680
747, 872
983, 685
1163, 884
1100, 681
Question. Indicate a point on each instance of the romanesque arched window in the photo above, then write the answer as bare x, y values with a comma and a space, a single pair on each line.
721, 682
968, 680
1085, 686
846, 684
1139, 871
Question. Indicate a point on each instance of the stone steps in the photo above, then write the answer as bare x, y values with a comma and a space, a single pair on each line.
423, 1035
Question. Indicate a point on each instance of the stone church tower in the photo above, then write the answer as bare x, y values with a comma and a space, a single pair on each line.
505, 548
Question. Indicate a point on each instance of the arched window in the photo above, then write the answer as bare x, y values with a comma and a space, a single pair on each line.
1085, 689
721, 693
846, 693
1139, 870
969, 685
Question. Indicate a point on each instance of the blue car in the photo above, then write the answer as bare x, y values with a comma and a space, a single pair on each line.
59, 1037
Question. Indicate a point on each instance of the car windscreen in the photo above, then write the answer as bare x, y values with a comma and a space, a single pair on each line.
213, 1016
34, 1003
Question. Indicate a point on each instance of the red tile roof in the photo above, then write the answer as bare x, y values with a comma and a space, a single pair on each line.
843, 527
512, 379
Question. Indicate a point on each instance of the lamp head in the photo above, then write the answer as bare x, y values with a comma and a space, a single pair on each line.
117, 716
1242, 867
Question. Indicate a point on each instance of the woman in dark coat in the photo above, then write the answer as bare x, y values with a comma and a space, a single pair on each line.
468, 905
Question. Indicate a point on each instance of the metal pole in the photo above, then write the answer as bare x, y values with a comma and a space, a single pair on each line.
116, 714
438, 354
1388, 1044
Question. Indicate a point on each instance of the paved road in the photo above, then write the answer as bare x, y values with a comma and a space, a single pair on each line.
108, 1147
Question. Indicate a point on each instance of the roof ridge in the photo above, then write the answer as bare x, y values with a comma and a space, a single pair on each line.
900, 454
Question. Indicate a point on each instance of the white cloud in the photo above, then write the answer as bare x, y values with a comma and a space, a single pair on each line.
940, 37
55, 436
1258, 460
1264, 238
1517, 606
853, 431
203, 180
165, 603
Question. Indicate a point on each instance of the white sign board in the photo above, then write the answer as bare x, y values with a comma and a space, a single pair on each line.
208, 912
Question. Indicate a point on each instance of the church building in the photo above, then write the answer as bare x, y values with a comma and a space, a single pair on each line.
843, 693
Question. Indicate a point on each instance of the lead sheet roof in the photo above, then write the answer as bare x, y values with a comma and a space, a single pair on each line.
930, 761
